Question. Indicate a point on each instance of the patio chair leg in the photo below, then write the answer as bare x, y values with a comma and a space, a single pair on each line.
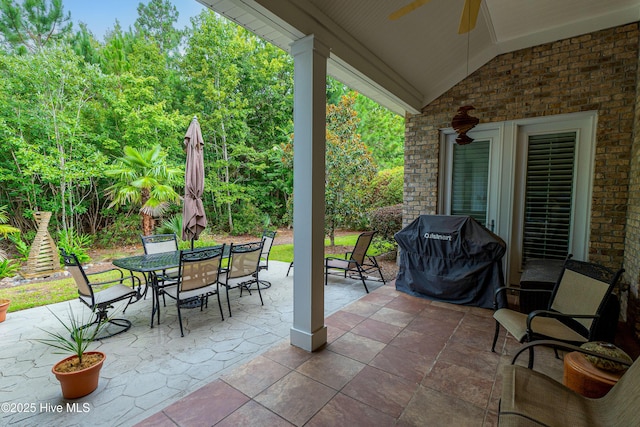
259, 292
290, 267
180, 319
228, 303
495, 337
264, 284
123, 324
530, 365
364, 283
379, 270
220, 304
361, 278
101, 317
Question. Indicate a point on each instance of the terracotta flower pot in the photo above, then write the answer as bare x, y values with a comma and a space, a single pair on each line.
4, 306
79, 383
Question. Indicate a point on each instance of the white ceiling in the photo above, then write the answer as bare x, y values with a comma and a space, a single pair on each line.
407, 63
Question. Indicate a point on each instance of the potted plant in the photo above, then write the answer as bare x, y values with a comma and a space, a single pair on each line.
79, 373
4, 306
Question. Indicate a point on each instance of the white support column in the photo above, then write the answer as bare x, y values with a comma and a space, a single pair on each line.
309, 127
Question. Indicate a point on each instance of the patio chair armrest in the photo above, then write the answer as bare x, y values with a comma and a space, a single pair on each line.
534, 291
566, 347
557, 315
95, 273
502, 289
121, 280
165, 277
339, 259
134, 279
496, 295
350, 263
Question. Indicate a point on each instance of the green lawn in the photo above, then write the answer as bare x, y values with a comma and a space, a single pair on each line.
49, 292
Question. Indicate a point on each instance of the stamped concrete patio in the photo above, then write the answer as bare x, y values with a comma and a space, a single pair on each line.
392, 359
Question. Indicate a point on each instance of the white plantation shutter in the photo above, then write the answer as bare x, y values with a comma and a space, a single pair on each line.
548, 197
470, 180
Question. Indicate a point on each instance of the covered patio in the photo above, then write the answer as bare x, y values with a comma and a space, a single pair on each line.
541, 69
391, 358
383, 358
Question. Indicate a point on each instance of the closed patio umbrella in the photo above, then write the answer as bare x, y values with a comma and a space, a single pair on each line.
194, 220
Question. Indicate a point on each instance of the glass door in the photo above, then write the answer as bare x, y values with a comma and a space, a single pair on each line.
469, 178
548, 198
528, 181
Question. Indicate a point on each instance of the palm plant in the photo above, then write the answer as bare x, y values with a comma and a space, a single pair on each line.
4, 219
76, 337
143, 178
171, 225
5, 229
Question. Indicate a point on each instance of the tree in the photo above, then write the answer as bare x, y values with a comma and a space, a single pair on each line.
349, 168
44, 97
117, 45
34, 24
214, 65
143, 178
382, 131
85, 45
156, 21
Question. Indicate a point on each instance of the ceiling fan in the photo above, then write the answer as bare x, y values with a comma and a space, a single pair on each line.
467, 20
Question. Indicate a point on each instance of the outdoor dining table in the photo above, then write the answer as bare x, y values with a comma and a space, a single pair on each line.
150, 265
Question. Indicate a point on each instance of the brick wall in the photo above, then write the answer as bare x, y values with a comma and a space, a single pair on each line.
632, 244
596, 71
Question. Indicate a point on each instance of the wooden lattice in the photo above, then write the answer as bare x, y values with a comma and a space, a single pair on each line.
43, 257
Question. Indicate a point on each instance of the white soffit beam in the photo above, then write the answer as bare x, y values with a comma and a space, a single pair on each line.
363, 72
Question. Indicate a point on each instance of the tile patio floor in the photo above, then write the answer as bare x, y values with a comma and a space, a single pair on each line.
391, 359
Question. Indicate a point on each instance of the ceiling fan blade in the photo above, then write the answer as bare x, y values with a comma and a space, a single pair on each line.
408, 8
469, 16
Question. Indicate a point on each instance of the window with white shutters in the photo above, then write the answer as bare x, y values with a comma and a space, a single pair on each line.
548, 196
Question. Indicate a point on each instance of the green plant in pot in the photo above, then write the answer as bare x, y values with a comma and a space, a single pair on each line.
79, 373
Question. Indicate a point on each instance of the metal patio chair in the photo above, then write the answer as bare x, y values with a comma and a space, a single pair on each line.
531, 398
267, 242
357, 264
242, 271
197, 280
100, 301
574, 310
156, 244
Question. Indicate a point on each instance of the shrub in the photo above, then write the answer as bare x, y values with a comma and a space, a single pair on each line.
247, 219
171, 225
380, 246
75, 243
125, 230
386, 188
387, 221
22, 248
8, 268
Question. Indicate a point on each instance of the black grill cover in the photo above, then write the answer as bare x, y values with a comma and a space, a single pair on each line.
450, 258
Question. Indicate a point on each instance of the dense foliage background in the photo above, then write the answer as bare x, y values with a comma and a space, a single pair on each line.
74, 111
